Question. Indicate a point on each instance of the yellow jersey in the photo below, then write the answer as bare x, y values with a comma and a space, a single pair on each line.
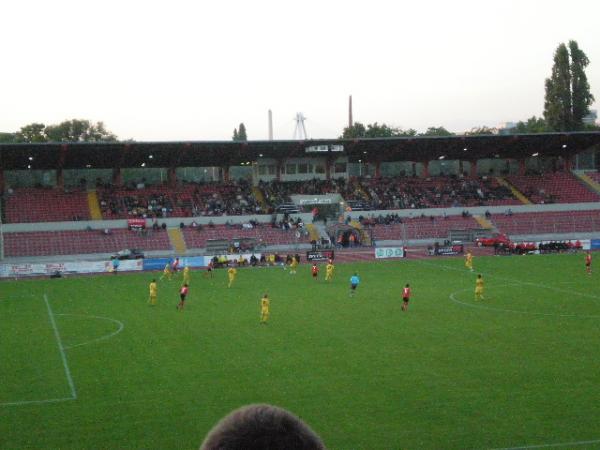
232, 271
294, 263
479, 283
264, 304
167, 268
329, 268
186, 270
153, 289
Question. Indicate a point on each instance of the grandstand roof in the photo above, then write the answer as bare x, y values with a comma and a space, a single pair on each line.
79, 155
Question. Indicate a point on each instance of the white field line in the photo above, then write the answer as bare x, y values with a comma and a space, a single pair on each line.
61, 348
511, 280
514, 311
558, 444
34, 402
101, 338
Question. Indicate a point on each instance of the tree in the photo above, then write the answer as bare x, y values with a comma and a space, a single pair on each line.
532, 125
79, 131
582, 98
34, 132
481, 130
436, 131
239, 134
375, 130
568, 96
242, 133
8, 138
356, 131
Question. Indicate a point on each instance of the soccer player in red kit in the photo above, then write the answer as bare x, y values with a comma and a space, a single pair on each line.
405, 297
315, 271
175, 266
183, 292
588, 262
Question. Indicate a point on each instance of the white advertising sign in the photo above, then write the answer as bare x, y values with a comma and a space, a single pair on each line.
39, 269
389, 252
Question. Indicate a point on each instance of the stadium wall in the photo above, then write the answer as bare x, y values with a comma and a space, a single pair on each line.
171, 222
306, 217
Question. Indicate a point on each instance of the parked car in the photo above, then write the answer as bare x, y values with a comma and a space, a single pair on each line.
494, 240
129, 253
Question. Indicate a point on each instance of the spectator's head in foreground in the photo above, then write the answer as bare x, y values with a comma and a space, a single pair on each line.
262, 427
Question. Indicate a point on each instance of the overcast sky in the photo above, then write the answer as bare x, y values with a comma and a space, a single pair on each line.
193, 70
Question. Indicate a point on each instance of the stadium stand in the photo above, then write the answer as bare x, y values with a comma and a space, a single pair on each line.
548, 222
422, 227
559, 187
44, 243
159, 201
29, 205
263, 234
416, 193
231, 198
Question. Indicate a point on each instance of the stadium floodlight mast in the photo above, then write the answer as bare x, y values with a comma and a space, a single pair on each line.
300, 131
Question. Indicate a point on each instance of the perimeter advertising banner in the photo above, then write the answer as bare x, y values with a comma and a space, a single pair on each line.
322, 255
40, 269
389, 252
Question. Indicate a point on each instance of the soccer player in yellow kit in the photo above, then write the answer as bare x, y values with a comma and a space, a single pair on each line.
264, 309
186, 275
231, 272
479, 288
153, 292
329, 271
293, 265
167, 272
469, 261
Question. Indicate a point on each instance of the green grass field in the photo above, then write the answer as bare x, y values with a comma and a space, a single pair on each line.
521, 368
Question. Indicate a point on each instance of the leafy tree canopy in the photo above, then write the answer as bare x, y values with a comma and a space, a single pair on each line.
375, 130
436, 131
68, 131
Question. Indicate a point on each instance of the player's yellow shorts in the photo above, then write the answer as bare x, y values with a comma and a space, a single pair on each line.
478, 291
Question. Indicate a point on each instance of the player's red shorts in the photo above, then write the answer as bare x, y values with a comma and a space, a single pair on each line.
315, 274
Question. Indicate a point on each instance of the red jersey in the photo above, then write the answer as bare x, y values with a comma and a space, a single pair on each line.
175, 265
184, 290
588, 259
406, 292
315, 269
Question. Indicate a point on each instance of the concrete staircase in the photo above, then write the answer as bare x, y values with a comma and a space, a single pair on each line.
515, 192
260, 198
485, 223
588, 181
177, 241
94, 205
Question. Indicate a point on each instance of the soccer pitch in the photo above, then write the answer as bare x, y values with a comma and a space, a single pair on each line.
87, 363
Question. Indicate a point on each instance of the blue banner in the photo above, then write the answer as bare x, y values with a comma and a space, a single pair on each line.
194, 261
156, 263
595, 244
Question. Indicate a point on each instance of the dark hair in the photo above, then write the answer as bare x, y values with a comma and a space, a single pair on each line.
261, 426
407, 285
